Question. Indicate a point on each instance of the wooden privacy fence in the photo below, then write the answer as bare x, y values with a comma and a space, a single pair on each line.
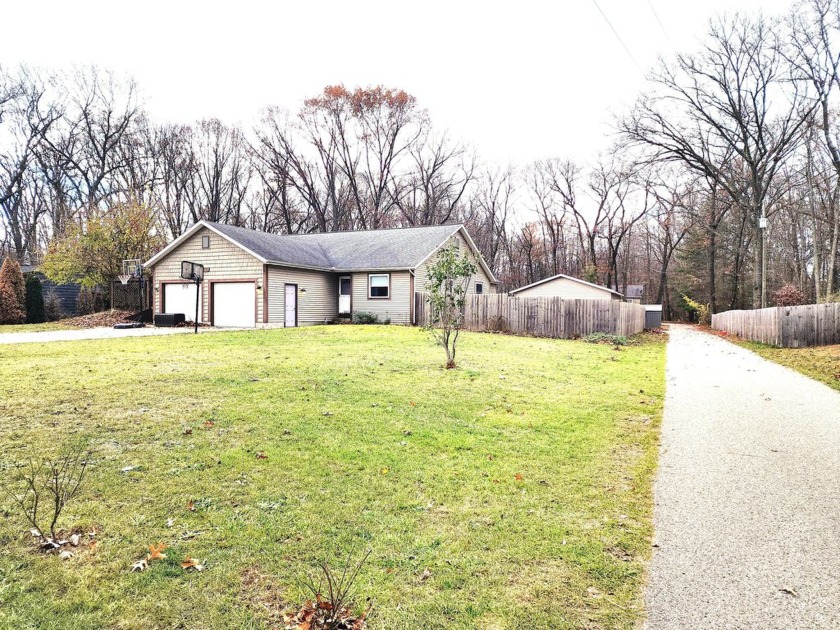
784, 326
543, 316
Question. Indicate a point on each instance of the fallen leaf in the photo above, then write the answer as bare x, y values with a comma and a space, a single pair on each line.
208, 424
156, 553
328, 413
191, 505
789, 591
412, 403
192, 564
140, 565
75, 539
323, 604
261, 455
385, 471
170, 522
93, 545
518, 477
65, 555
188, 431
426, 575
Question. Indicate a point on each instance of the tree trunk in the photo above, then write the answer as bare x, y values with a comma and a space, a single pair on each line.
712, 269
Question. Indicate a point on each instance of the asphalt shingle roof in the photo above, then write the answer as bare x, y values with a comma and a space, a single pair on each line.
401, 248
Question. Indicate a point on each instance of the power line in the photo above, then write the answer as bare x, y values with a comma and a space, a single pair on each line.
617, 36
661, 25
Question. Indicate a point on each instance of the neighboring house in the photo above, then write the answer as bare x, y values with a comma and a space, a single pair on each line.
632, 292
259, 279
564, 286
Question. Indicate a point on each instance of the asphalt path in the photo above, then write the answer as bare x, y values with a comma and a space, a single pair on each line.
747, 495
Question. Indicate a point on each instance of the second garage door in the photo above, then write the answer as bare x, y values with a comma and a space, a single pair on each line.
234, 304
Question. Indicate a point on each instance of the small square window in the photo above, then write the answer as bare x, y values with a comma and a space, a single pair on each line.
205, 242
379, 285
479, 287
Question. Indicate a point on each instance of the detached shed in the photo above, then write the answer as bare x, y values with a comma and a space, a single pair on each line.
567, 287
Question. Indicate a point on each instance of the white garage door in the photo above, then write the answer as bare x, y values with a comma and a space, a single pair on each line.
180, 298
234, 305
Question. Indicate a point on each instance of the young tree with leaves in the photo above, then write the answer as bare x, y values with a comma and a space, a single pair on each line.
92, 254
449, 278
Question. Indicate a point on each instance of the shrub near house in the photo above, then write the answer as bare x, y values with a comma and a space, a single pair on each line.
12, 293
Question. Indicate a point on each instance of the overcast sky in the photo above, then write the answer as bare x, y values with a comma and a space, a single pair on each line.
518, 80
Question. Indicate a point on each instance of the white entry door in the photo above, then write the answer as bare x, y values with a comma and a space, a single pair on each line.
234, 304
180, 298
345, 289
291, 305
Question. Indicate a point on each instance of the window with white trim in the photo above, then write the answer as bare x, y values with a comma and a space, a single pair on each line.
379, 285
205, 242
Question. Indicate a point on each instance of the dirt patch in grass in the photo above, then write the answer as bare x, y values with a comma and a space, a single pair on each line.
261, 593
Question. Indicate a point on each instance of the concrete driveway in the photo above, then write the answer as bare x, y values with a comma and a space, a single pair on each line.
747, 497
91, 333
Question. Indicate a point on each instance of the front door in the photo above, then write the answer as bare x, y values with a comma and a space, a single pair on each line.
345, 289
291, 305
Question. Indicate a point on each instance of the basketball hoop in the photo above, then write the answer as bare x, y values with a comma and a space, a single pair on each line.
124, 278
131, 268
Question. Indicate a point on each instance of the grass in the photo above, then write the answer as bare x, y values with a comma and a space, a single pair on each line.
513, 492
821, 363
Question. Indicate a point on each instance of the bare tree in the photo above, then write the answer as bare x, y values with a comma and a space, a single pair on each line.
218, 188
433, 191
87, 153
731, 101
26, 115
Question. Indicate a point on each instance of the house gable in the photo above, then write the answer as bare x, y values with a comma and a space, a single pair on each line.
223, 260
566, 287
482, 275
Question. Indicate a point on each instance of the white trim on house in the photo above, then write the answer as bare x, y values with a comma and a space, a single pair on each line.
562, 275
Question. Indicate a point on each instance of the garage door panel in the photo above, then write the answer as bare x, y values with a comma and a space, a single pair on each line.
180, 298
234, 304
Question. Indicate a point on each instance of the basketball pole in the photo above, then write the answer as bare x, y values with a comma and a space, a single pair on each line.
197, 287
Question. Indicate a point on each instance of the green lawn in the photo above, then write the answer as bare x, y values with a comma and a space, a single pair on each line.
821, 363
521, 482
